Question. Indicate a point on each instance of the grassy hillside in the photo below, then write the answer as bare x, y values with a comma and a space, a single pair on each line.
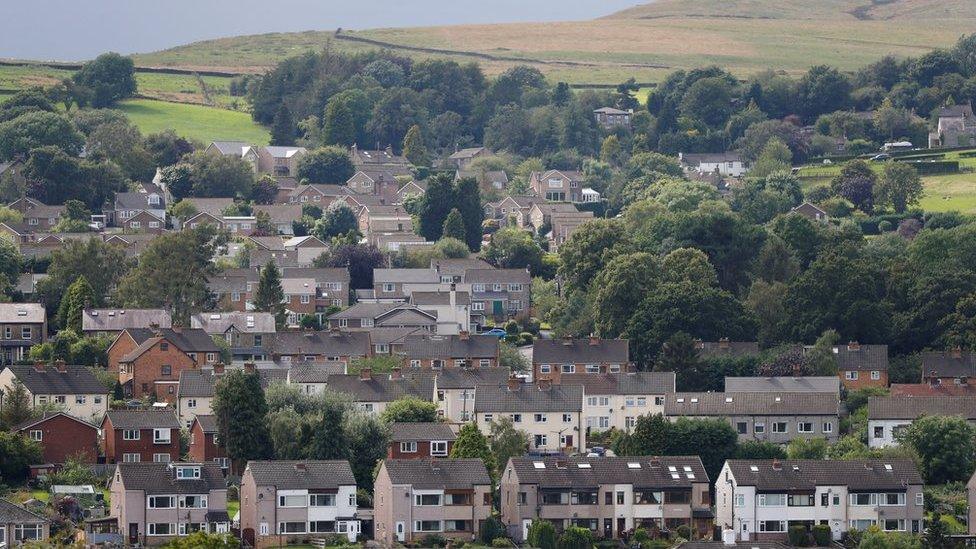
198, 122
645, 42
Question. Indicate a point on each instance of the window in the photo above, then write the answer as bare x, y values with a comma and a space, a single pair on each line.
438, 447
540, 441
211, 357
569, 368
540, 418
515, 305
166, 370
427, 500
292, 500
892, 525
545, 369
477, 287
742, 427
779, 426
408, 447
79, 399
863, 499
772, 500
919, 499
162, 436
876, 375
740, 500
322, 500
191, 403
890, 499
772, 526
800, 500
352, 499
263, 528
828, 427
193, 502
804, 427
154, 224
515, 287
130, 434
427, 526
59, 399
862, 524
484, 363
136, 224
161, 502
25, 332
629, 422
98, 400
37, 434
850, 376
366, 323
343, 322
489, 418
161, 529
647, 497
161, 458
291, 527
388, 288
164, 346
516, 418
187, 472
321, 526
8, 332
592, 369
879, 432
257, 340
477, 305
306, 299
131, 458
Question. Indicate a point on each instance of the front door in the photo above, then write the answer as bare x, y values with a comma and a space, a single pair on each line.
569, 441
133, 532
400, 531
497, 307
621, 526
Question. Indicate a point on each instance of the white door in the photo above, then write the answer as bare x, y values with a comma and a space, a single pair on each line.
526, 523
400, 531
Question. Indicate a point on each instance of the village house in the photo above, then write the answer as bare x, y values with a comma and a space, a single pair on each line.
783, 384
498, 294
111, 322
372, 393
540, 214
62, 436
12, 172
143, 223
196, 388
128, 205
455, 389
462, 159
331, 284
319, 346
286, 502
416, 498
233, 288
149, 362
278, 161
368, 316
156, 503
729, 164
22, 325
609, 118
511, 210
860, 366
762, 499
952, 367
228, 148
312, 378
956, 127
19, 526
551, 415
299, 299
551, 358
396, 241
563, 227
71, 388
320, 195
281, 216
615, 401
374, 182
247, 334
397, 284
420, 440
451, 309
38, 216
451, 351
306, 249
889, 416
381, 218
488, 180
557, 185
771, 417
610, 496
204, 445
452, 270
811, 212
385, 159
140, 435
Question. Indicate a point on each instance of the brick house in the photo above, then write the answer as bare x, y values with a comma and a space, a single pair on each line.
609, 117
498, 294
285, 502
415, 498
71, 388
204, 447
317, 195
248, 334
383, 315
557, 185
952, 367
278, 161
299, 298
861, 366
156, 503
320, 346
420, 440
451, 351
22, 325
385, 159
331, 285
140, 435
553, 357
61, 437
150, 361
143, 222
38, 216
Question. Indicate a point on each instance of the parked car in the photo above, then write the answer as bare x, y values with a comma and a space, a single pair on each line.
880, 157
497, 332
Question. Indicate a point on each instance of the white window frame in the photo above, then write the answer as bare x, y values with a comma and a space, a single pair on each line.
408, 447
438, 448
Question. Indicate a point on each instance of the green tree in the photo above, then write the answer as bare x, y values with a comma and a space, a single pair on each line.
107, 79
513, 248
807, 448
759, 449
615, 286
338, 127
16, 405
709, 100
283, 127
410, 410
413, 147
471, 443
269, 296
649, 437
542, 534
79, 296
576, 537
589, 249
33, 130
945, 446
18, 452
240, 408
507, 441
264, 190
510, 357
337, 220
329, 440
937, 535
610, 151
178, 180
775, 157
330, 165
216, 175
368, 439
899, 186
454, 226
856, 183
102, 265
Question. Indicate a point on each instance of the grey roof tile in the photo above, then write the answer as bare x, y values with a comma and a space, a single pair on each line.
407, 432
450, 346
783, 384
302, 475
558, 351
528, 397
914, 407
449, 474
751, 404
143, 419
381, 388
11, 513
121, 319
650, 472
76, 380
160, 478
773, 476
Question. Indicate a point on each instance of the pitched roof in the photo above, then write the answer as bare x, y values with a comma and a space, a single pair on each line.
629, 383
805, 474
929, 389
918, 406
321, 275
143, 419
208, 422
11, 513
76, 380
251, 322
200, 383
331, 343
948, 364
283, 151
137, 201
467, 153
439, 298
160, 478
405, 276
32, 313
407, 432
451, 346
458, 265
381, 388
751, 404
714, 349
528, 397
280, 213
298, 286
956, 111
469, 378
316, 372
557, 351
611, 110
784, 384
497, 276
301, 475
230, 147
861, 357
212, 206
710, 158
51, 415
188, 340
447, 474
120, 319
585, 472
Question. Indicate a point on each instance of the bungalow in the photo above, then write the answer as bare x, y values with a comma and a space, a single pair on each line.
19, 526
811, 212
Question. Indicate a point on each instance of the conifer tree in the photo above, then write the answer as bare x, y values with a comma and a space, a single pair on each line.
79, 296
240, 408
283, 129
269, 296
413, 147
471, 443
338, 128
16, 405
454, 226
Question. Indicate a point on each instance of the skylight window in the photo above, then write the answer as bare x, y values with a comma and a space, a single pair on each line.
538, 465
583, 465
694, 400
779, 399
675, 476
672, 468
754, 469
728, 399
691, 476
633, 465
687, 469
888, 467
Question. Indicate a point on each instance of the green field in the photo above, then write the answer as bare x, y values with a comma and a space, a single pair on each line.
197, 122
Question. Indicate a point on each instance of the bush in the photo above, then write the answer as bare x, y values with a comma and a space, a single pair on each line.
511, 327
492, 531
525, 338
798, 536
821, 535
684, 531
433, 540
576, 537
502, 542
885, 226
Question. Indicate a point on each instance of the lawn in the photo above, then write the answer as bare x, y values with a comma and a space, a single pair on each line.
198, 122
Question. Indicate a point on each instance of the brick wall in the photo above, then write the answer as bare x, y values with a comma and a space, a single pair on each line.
63, 437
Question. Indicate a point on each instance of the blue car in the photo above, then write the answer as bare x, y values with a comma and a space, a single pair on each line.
497, 332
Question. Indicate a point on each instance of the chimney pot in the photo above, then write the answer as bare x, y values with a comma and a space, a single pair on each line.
514, 383
397, 373
594, 340
39, 365
250, 367
853, 346
777, 465
957, 352
366, 374
60, 366
568, 341
464, 335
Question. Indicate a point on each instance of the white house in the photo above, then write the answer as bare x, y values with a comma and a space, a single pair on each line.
729, 164
888, 416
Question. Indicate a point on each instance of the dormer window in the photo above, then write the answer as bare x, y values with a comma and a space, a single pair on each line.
187, 472
153, 200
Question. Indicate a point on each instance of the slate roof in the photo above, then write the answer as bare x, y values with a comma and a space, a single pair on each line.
804, 474
160, 478
928, 389
948, 364
298, 286
212, 206
283, 151
710, 158
439, 298
469, 378
24, 313
956, 111
405, 276
654, 472
711, 349
321, 343
317, 474
528, 398
316, 372
380, 388
137, 201
459, 265
370, 310
499, 276
751, 404
231, 147
200, 383
467, 153
384, 335
11, 513
320, 275
120, 319
864, 357
143, 419
407, 432
252, 322
632, 383
784, 384
450, 346
207, 422
270, 243
50, 415
280, 213
558, 351
188, 340
77, 380
918, 406
432, 474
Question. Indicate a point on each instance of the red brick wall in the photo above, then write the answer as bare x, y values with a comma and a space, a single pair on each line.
114, 447
295, 305
122, 346
148, 368
64, 437
556, 372
863, 380
449, 362
202, 447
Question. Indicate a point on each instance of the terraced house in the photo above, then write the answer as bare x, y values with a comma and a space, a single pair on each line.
551, 415
71, 388
416, 498
608, 495
889, 416
762, 499
552, 358
498, 294
22, 325
615, 401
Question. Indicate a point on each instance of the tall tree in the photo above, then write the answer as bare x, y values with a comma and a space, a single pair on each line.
507, 441
338, 127
945, 446
368, 438
413, 147
78, 297
16, 405
471, 443
101, 265
329, 440
240, 408
18, 452
337, 220
326, 165
410, 410
107, 79
269, 296
283, 127
899, 186
454, 226
33, 130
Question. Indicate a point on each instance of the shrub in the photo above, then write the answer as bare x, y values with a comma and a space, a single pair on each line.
684, 531
576, 537
512, 327
492, 531
821, 535
542, 534
798, 536
433, 540
885, 226
502, 542
525, 338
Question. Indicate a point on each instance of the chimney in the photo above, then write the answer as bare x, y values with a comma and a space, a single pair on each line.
397, 373
723, 343
39, 365
365, 374
389, 150
301, 467
464, 335
60, 366
568, 341
544, 384
218, 368
514, 383
777, 465
249, 367
594, 340
957, 352
853, 346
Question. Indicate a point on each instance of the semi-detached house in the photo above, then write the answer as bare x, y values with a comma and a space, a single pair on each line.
551, 415
551, 358
615, 401
130, 436
889, 416
71, 388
